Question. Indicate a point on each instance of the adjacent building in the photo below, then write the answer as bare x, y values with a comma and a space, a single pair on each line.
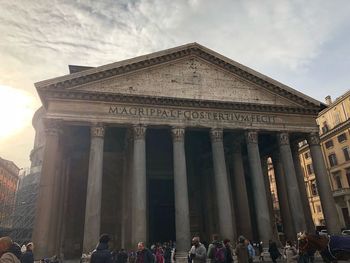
8, 186
334, 124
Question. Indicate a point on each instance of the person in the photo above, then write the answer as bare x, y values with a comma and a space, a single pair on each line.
132, 257
144, 255
261, 251
273, 250
216, 250
251, 251
10, 252
290, 252
198, 252
228, 251
167, 253
242, 250
159, 254
102, 254
122, 256
28, 256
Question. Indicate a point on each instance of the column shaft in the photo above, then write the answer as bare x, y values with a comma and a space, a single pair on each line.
244, 225
43, 232
182, 216
258, 184
139, 203
292, 184
94, 190
310, 226
281, 184
324, 189
221, 183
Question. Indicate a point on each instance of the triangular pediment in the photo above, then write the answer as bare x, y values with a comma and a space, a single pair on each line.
186, 72
190, 78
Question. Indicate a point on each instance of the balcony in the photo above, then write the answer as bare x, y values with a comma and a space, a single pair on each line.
341, 192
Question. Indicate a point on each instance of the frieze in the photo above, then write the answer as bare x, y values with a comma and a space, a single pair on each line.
186, 114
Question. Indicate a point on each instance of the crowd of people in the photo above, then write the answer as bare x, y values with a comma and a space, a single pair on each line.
216, 252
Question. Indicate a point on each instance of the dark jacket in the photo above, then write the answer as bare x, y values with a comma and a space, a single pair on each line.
273, 250
101, 254
242, 253
27, 257
144, 256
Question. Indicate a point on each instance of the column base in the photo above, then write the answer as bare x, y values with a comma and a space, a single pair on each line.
181, 257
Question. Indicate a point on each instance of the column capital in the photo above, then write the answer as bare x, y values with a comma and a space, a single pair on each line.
251, 136
216, 134
283, 138
139, 131
97, 130
53, 126
178, 134
313, 138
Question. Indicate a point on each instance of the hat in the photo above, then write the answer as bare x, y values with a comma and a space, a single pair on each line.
104, 238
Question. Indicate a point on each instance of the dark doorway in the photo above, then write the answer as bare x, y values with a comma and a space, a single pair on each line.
161, 210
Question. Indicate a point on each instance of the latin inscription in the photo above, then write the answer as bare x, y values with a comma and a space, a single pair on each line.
180, 114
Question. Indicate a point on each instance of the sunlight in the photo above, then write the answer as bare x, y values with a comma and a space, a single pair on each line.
16, 110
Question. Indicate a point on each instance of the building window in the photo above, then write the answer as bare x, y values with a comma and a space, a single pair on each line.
347, 171
336, 118
314, 191
318, 209
324, 127
346, 152
338, 182
332, 159
310, 169
329, 144
342, 137
307, 155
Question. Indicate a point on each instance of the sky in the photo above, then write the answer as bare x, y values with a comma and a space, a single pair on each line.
303, 44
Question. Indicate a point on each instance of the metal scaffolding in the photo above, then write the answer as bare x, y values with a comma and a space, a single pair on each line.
24, 213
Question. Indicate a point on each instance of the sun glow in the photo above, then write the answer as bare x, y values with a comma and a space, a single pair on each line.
16, 110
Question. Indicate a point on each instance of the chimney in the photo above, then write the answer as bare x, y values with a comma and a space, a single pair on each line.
328, 100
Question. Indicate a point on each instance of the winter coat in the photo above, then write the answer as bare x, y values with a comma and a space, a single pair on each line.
291, 254
274, 252
12, 255
27, 257
228, 254
242, 253
200, 253
147, 256
101, 254
211, 250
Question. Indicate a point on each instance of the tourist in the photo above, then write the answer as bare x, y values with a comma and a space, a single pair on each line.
102, 254
144, 255
273, 250
251, 251
242, 251
28, 256
198, 252
290, 252
228, 251
216, 250
132, 257
122, 256
167, 253
159, 254
10, 252
261, 251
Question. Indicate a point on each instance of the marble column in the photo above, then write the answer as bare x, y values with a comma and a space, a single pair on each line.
261, 206
182, 215
324, 189
310, 226
294, 199
281, 184
223, 199
94, 189
139, 199
244, 224
44, 226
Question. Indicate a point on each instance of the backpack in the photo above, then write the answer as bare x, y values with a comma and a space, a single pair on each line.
219, 254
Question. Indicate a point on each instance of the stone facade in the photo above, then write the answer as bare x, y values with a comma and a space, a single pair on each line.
162, 146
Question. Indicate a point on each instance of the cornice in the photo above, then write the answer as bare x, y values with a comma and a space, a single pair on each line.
335, 130
76, 80
170, 101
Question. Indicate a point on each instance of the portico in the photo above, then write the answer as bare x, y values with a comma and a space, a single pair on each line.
176, 138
